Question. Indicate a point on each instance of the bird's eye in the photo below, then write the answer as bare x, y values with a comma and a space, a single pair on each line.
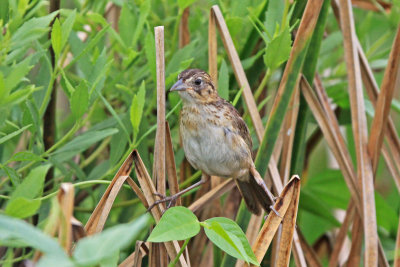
197, 82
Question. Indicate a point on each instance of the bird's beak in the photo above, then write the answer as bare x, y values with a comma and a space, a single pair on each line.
178, 86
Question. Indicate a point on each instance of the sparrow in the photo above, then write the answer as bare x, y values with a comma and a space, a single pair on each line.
216, 140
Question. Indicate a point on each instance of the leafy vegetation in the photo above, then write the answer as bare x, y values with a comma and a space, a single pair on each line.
78, 95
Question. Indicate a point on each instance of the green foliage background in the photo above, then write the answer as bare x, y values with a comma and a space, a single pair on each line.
106, 99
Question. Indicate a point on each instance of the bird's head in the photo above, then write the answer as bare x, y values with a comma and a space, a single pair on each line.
195, 86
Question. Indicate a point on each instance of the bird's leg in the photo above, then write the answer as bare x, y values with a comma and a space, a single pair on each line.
261, 182
172, 199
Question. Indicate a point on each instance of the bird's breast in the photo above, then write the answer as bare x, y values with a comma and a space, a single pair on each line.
210, 145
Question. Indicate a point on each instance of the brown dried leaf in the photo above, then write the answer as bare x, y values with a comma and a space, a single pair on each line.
290, 191
149, 190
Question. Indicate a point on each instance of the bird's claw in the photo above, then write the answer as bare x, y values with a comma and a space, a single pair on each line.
275, 211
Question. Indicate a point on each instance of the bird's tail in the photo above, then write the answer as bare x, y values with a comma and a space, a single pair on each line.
255, 194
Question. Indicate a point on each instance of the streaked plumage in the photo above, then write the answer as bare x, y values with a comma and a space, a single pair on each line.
216, 139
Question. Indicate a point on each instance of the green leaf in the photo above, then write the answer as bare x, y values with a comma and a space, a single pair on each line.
223, 81
80, 100
66, 28
25, 156
136, 111
85, 140
228, 236
21, 207
177, 223
31, 30
14, 230
150, 51
316, 206
143, 14
13, 134
56, 37
278, 50
126, 18
273, 16
22, 203
185, 3
32, 185
93, 249
12, 174
16, 75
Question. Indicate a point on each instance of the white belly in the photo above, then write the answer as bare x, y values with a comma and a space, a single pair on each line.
212, 150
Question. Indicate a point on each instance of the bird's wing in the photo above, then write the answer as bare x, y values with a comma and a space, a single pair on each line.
238, 124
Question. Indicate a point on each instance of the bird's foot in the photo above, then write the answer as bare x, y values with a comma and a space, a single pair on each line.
275, 211
170, 199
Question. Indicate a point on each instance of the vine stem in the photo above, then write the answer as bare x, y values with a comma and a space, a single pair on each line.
172, 264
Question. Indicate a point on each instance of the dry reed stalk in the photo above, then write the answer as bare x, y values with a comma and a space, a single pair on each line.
149, 190
377, 6
393, 147
341, 236
291, 190
354, 258
170, 165
288, 227
159, 146
311, 256
212, 49
237, 69
214, 193
99, 216
360, 132
184, 34
330, 128
397, 248
391, 80
216, 15
288, 131
135, 259
65, 198
335, 141
158, 256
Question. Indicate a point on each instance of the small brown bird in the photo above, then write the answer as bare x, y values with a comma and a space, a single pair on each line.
216, 139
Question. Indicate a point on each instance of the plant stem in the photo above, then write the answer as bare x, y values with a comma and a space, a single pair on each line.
179, 254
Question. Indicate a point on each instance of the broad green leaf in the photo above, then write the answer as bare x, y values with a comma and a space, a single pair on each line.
56, 37
315, 205
177, 223
228, 236
17, 231
80, 100
53, 260
66, 28
93, 249
223, 81
234, 231
386, 215
12, 174
13, 134
278, 50
25, 156
21, 207
137, 106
